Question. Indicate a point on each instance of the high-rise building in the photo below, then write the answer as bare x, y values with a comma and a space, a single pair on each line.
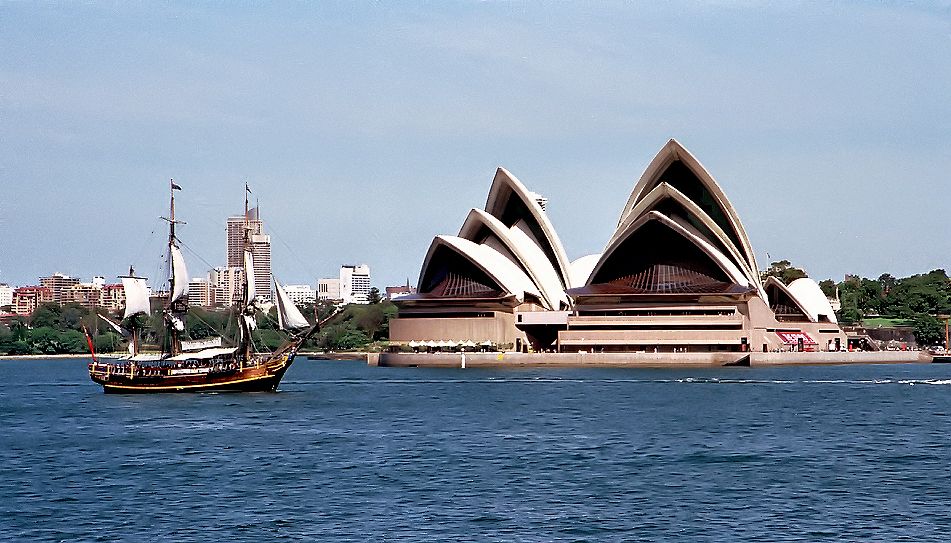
201, 292
328, 289
260, 249
261, 252
6, 295
58, 283
228, 282
88, 295
235, 231
27, 299
113, 297
355, 284
301, 294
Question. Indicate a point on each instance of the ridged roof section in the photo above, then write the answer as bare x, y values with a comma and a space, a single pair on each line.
677, 167
515, 206
687, 213
455, 268
513, 243
621, 253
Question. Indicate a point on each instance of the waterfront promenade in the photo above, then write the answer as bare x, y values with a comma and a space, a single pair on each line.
642, 360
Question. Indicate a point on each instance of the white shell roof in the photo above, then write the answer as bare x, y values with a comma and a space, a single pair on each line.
528, 255
494, 206
774, 282
499, 268
580, 269
664, 191
718, 257
671, 152
811, 298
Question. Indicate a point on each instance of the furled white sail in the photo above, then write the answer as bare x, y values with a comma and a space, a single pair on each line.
176, 322
288, 316
179, 274
249, 276
136, 296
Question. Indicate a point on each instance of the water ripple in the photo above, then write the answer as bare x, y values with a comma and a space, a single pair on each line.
350, 453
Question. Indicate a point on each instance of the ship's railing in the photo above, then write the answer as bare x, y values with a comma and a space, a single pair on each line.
111, 369
132, 369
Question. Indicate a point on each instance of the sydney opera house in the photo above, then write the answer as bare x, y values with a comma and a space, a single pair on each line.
678, 275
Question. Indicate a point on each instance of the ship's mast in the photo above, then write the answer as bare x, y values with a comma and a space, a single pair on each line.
174, 306
245, 327
134, 324
137, 301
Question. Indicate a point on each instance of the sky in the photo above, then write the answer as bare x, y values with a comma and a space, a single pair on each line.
366, 128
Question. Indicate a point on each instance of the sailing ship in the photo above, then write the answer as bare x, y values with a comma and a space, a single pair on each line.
200, 365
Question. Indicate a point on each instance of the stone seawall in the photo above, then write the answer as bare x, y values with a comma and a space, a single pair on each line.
874, 357
640, 360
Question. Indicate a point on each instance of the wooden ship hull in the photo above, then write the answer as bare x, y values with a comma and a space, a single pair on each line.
134, 379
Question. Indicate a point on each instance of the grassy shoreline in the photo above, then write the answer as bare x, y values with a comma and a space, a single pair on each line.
44, 356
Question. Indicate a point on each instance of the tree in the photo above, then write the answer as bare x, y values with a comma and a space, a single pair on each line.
928, 330
828, 287
107, 342
850, 315
47, 315
370, 320
887, 281
6, 338
46, 340
72, 315
784, 271
350, 339
374, 296
19, 328
21, 348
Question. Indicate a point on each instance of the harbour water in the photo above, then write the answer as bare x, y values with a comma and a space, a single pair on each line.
349, 453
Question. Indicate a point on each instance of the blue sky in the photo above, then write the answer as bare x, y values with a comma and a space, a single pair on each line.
367, 128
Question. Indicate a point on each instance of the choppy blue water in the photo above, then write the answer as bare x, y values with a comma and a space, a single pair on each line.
349, 453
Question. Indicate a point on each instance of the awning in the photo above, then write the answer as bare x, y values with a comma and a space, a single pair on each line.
792, 338
204, 355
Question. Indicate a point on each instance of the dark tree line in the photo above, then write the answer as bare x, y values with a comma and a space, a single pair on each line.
57, 329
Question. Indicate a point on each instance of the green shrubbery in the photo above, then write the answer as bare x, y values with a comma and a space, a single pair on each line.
56, 329
914, 300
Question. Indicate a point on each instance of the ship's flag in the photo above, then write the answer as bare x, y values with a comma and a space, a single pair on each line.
175, 187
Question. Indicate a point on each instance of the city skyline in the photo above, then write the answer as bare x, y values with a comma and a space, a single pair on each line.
363, 128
